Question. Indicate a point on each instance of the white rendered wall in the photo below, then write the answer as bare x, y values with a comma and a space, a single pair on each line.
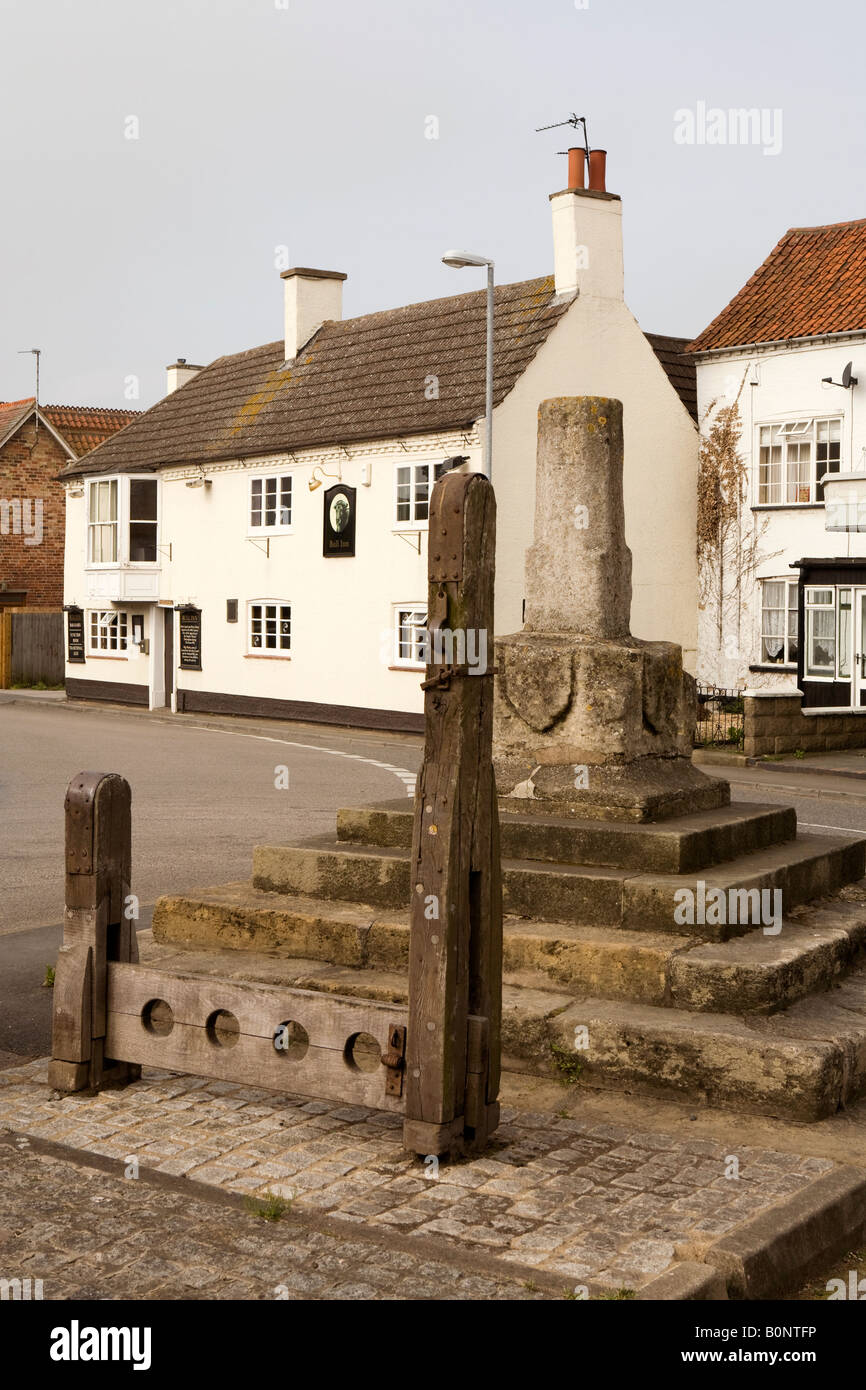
790, 387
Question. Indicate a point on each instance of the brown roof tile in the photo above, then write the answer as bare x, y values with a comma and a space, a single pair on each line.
84, 426
12, 412
812, 282
357, 379
680, 369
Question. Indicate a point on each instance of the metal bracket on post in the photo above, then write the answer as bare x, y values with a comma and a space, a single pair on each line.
455, 943
96, 929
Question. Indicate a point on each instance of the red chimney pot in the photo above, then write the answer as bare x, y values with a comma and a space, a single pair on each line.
597, 167
576, 167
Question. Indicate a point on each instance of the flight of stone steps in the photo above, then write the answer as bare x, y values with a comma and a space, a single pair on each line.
601, 982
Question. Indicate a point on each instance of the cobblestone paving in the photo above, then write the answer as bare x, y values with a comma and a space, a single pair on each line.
87, 1235
567, 1197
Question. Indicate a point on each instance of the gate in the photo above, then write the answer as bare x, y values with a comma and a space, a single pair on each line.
439, 1063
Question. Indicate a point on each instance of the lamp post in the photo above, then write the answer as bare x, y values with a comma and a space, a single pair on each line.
459, 259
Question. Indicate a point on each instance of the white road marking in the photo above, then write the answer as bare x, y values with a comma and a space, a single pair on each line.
837, 829
406, 777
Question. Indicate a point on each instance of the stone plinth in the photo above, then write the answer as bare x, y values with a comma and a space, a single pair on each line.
590, 721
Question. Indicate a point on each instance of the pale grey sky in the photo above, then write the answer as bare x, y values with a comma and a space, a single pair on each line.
302, 122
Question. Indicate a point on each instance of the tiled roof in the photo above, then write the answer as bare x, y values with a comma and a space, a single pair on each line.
402, 371
812, 282
680, 369
13, 411
399, 372
84, 426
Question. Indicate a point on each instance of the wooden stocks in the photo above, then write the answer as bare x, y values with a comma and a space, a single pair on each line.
455, 946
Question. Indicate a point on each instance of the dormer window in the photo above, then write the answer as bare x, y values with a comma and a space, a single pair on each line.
122, 521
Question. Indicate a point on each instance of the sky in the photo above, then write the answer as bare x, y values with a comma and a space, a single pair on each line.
162, 160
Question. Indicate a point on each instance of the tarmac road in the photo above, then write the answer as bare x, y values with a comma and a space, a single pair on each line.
203, 794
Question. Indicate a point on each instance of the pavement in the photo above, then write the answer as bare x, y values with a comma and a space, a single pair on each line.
562, 1203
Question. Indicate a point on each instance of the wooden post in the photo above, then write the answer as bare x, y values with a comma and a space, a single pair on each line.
455, 947
96, 929
5, 648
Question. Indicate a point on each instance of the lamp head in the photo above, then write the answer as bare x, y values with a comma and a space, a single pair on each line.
314, 483
458, 259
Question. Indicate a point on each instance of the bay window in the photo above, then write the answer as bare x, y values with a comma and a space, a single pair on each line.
123, 521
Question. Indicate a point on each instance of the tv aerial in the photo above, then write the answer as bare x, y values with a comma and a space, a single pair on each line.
576, 122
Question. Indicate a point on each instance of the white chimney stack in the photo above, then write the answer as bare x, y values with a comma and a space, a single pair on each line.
178, 374
587, 231
312, 297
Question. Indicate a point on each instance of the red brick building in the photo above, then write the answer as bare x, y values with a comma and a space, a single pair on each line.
34, 445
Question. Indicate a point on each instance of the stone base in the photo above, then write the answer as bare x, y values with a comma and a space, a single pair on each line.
647, 789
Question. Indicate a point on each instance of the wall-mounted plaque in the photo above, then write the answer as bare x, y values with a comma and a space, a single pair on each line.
190, 639
75, 634
339, 532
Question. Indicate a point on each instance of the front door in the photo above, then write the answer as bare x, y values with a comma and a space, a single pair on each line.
168, 654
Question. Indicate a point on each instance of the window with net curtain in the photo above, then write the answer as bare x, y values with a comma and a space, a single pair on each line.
820, 632
779, 622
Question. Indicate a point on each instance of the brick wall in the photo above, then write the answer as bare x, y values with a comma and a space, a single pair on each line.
777, 724
29, 464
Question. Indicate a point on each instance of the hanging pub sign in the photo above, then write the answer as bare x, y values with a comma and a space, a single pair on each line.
339, 536
190, 639
75, 634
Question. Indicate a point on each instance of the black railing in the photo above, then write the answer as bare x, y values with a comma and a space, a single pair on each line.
720, 718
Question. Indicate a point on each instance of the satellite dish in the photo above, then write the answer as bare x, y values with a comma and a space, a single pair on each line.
847, 378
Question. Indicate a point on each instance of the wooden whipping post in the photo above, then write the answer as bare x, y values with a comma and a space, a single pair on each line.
96, 929
455, 945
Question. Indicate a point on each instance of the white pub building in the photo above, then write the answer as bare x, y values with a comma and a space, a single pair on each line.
793, 344
255, 542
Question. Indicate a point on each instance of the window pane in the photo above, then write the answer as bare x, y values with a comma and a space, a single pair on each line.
821, 644
142, 499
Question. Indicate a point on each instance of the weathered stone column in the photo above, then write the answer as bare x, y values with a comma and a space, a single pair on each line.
588, 720
578, 570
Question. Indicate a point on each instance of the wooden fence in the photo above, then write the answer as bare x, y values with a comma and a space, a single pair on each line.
31, 648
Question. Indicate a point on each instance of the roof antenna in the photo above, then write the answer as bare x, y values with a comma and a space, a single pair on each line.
37, 353
574, 121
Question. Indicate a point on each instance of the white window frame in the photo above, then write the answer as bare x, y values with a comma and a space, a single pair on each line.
419, 609
95, 619
414, 522
789, 434
122, 484
277, 653
790, 635
94, 485
813, 604
276, 476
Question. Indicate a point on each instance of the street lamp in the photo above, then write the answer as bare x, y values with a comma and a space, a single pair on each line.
457, 260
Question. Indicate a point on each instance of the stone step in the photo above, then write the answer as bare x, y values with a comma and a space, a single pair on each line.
749, 973
803, 1064
677, 846
585, 895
